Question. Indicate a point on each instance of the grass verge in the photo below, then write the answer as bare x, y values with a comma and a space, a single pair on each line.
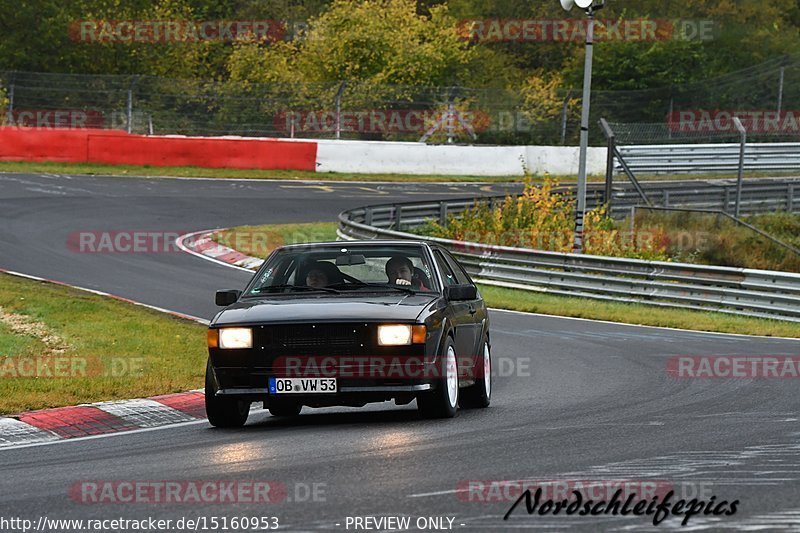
231, 173
61, 346
529, 301
645, 315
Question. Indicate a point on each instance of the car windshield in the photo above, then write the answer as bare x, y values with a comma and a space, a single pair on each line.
335, 269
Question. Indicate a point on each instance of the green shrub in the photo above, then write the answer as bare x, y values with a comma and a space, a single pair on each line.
543, 219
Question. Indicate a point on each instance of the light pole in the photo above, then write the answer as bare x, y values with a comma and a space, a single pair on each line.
590, 6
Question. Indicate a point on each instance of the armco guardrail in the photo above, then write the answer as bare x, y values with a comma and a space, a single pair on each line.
709, 158
758, 195
737, 291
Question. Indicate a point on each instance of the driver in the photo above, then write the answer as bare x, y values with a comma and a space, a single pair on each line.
400, 271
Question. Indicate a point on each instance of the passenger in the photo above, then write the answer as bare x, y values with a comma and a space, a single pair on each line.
316, 278
321, 274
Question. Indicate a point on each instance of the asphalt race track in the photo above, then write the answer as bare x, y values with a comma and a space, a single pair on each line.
576, 400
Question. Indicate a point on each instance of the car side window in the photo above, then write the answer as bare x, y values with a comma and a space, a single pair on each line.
461, 274
448, 275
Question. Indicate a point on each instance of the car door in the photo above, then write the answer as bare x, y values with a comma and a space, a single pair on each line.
474, 325
459, 311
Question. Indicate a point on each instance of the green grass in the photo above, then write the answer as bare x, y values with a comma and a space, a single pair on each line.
128, 351
645, 315
12, 345
537, 302
230, 173
716, 240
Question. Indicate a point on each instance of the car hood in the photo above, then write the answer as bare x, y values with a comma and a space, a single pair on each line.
348, 308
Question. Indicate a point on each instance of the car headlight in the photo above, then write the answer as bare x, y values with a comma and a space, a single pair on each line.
235, 338
400, 335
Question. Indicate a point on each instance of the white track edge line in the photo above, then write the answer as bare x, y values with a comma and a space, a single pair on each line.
108, 295
103, 436
695, 331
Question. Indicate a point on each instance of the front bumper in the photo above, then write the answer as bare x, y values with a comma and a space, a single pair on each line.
252, 384
389, 389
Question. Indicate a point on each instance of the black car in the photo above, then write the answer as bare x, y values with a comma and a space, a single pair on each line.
346, 324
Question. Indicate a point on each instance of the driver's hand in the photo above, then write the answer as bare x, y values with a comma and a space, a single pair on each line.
402, 282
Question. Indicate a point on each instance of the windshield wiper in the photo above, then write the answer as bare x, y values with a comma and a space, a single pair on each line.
361, 285
272, 288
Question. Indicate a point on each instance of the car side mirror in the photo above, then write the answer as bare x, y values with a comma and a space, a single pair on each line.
226, 298
460, 293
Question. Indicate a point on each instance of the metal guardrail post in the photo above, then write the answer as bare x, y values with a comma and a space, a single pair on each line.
129, 113
398, 215
628, 172
743, 146
790, 198
339, 110
612, 148
666, 198
443, 214
368, 216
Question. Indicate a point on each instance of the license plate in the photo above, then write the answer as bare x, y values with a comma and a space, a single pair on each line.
302, 385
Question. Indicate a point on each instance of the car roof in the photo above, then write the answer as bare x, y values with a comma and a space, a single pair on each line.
409, 244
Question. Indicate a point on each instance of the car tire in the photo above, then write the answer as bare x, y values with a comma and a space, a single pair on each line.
479, 395
285, 410
223, 412
442, 402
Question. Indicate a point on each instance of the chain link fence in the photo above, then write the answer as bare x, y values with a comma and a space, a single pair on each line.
350, 110
767, 97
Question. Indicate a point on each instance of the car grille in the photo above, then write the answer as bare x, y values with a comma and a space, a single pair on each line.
317, 339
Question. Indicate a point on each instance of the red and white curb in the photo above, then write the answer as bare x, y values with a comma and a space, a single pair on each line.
103, 418
202, 244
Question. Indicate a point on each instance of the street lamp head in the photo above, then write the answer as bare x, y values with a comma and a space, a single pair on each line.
583, 4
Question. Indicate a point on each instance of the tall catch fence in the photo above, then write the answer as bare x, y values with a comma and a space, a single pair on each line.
690, 113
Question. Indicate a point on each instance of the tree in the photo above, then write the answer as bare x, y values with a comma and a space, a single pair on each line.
372, 41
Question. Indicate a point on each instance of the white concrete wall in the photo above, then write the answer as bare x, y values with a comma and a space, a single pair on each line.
369, 157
